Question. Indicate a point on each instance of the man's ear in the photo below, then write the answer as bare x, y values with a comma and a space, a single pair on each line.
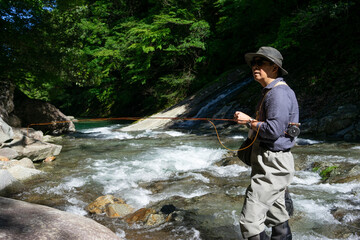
275, 68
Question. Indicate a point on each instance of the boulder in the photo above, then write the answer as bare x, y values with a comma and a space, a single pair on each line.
41, 115
6, 132
9, 153
6, 179
100, 204
38, 150
22, 173
25, 162
6, 99
22, 220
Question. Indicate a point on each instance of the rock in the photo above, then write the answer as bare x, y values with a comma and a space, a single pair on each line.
4, 159
29, 133
49, 159
26, 162
140, 215
167, 209
100, 204
9, 153
115, 210
6, 99
22, 220
32, 112
22, 173
155, 219
6, 132
38, 151
6, 179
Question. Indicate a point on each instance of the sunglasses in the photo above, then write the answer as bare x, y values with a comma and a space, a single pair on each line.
258, 62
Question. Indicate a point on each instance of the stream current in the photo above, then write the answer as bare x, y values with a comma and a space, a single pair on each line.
151, 166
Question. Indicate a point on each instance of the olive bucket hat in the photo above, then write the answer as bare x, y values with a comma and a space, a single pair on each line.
268, 53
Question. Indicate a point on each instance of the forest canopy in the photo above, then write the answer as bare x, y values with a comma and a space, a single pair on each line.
121, 57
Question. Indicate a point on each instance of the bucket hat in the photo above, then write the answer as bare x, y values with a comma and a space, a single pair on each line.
268, 53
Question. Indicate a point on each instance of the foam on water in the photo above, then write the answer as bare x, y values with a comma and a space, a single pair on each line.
69, 185
122, 177
306, 178
227, 171
302, 141
75, 210
316, 210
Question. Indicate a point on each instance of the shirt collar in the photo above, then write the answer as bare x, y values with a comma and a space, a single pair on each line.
272, 84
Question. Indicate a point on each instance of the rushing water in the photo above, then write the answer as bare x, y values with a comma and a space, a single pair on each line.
99, 159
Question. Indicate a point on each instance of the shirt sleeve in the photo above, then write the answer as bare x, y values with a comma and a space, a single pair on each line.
276, 107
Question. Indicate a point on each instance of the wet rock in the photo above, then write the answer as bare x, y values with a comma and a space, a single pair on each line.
348, 175
21, 220
155, 219
140, 215
50, 159
115, 210
167, 209
100, 204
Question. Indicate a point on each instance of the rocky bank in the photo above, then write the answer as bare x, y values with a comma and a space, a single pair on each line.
20, 143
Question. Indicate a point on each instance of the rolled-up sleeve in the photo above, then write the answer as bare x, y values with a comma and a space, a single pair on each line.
277, 105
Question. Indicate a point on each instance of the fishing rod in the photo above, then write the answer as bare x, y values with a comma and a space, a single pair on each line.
210, 120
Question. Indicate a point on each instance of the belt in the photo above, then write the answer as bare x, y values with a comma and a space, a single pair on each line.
264, 146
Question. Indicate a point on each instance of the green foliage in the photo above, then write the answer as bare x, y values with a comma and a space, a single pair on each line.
119, 57
325, 174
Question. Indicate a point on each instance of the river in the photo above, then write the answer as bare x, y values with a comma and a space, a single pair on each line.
151, 166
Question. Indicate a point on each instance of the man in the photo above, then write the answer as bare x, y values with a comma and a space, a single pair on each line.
271, 160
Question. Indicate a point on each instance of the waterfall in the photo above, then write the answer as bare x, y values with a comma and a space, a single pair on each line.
220, 98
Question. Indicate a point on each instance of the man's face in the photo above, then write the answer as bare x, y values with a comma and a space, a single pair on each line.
262, 69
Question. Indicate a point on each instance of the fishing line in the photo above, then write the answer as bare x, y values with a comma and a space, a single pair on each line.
155, 118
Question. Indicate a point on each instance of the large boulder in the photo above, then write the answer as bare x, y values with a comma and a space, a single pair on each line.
6, 99
38, 150
6, 132
41, 115
22, 220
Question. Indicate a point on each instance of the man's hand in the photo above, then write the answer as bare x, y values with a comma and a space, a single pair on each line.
241, 117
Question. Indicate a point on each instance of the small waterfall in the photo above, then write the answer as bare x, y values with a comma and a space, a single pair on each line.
207, 110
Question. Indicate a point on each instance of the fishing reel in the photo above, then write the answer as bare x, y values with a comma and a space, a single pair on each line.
293, 130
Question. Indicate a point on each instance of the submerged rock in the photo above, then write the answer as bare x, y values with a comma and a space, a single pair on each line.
140, 215
22, 220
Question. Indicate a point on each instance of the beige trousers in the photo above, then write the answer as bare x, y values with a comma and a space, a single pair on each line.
264, 204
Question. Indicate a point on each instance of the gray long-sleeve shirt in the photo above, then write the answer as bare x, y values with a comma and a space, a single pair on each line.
279, 108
